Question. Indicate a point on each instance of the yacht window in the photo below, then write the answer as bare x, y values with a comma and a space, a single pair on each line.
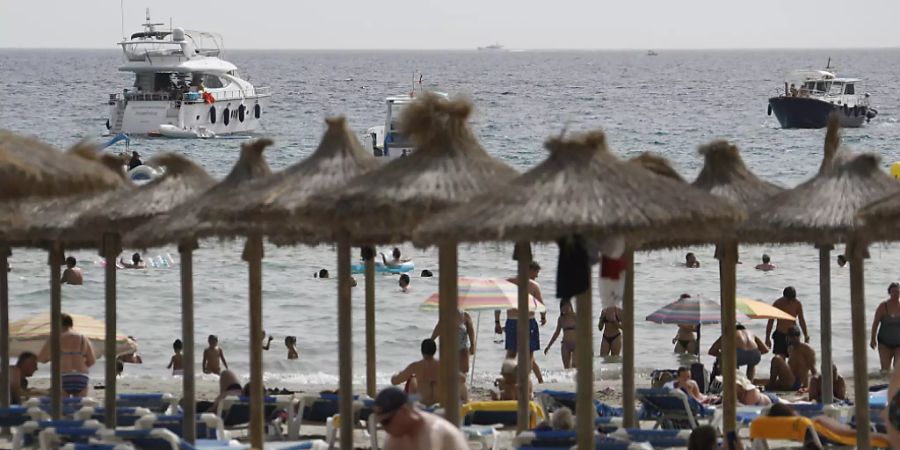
212, 82
821, 87
836, 88
850, 89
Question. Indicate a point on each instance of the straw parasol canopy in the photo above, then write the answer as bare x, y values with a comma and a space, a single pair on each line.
657, 164
182, 181
725, 175
29, 167
184, 221
447, 168
881, 218
583, 188
278, 203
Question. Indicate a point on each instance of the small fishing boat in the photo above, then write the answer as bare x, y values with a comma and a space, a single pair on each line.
393, 144
811, 96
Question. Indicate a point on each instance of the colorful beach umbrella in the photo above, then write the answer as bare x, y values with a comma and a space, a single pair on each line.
480, 294
690, 310
756, 309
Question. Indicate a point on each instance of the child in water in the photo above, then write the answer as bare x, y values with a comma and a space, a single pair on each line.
404, 283
212, 355
291, 343
177, 361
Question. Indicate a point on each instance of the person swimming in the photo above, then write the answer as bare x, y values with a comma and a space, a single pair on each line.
136, 262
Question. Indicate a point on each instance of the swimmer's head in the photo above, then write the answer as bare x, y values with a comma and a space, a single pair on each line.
323, 273
404, 280
71, 262
396, 253
766, 259
136, 258
177, 345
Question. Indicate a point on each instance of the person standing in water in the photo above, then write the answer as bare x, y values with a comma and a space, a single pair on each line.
72, 274
789, 304
291, 343
886, 329
466, 340
136, 262
610, 325
212, 355
177, 361
566, 325
534, 333
766, 264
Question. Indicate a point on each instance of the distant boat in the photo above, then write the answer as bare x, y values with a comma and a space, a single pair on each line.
492, 47
651, 53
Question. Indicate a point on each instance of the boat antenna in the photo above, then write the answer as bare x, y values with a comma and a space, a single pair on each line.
122, 14
828, 65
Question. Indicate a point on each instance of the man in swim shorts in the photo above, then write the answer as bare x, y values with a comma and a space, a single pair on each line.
789, 304
793, 374
510, 328
749, 349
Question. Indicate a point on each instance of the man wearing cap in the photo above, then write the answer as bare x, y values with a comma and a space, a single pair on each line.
410, 429
789, 304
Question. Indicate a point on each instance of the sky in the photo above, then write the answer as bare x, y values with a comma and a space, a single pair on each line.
465, 24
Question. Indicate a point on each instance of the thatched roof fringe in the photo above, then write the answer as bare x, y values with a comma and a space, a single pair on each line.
657, 164
430, 119
592, 142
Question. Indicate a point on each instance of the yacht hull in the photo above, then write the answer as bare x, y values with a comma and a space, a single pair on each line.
221, 117
804, 112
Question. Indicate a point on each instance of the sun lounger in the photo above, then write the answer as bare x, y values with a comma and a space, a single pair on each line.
39, 407
656, 438
96, 446
235, 412
209, 426
800, 429
550, 400
315, 408
160, 403
13, 416
674, 409
29, 433
125, 416
502, 412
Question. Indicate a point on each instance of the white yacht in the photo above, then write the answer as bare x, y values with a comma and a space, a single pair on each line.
182, 87
393, 144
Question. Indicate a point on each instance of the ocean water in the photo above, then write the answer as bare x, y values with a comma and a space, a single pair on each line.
667, 104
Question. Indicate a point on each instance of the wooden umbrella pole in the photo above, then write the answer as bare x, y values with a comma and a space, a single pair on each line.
4, 326
253, 254
449, 332
825, 322
110, 249
628, 342
345, 343
189, 403
856, 251
371, 386
728, 284
584, 377
523, 348
55, 261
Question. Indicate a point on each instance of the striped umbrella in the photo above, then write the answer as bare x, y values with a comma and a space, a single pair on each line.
690, 310
479, 294
756, 309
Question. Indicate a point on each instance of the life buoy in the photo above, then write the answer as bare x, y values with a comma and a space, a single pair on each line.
241, 113
257, 111
770, 110
212, 114
226, 116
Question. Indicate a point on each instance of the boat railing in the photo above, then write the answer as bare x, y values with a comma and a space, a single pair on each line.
141, 97
197, 97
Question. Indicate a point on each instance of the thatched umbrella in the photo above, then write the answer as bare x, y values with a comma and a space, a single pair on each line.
275, 205
447, 167
725, 175
31, 171
823, 211
183, 225
120, 213
657, 164
583, 189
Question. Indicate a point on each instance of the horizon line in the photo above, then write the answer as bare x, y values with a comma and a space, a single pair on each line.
504, 50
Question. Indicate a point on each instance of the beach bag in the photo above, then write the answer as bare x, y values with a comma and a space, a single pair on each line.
699, 374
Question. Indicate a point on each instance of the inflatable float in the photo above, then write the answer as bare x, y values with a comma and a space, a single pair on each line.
171, 131
144, 173
381, 268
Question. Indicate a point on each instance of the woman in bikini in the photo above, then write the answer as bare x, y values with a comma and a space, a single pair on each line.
466, 339
566, 325
77, 359
611, 327
685, 339
886, 329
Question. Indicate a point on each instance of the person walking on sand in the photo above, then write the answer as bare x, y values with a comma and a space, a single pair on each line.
534, 333
793, 374
465, 340
212, 355
77, 358
408, 428
565, 325
73, 274
886, 329
422, 377
789, 304
766, 264
176, 363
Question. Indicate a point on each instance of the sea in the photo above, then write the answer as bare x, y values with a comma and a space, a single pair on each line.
667, 104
